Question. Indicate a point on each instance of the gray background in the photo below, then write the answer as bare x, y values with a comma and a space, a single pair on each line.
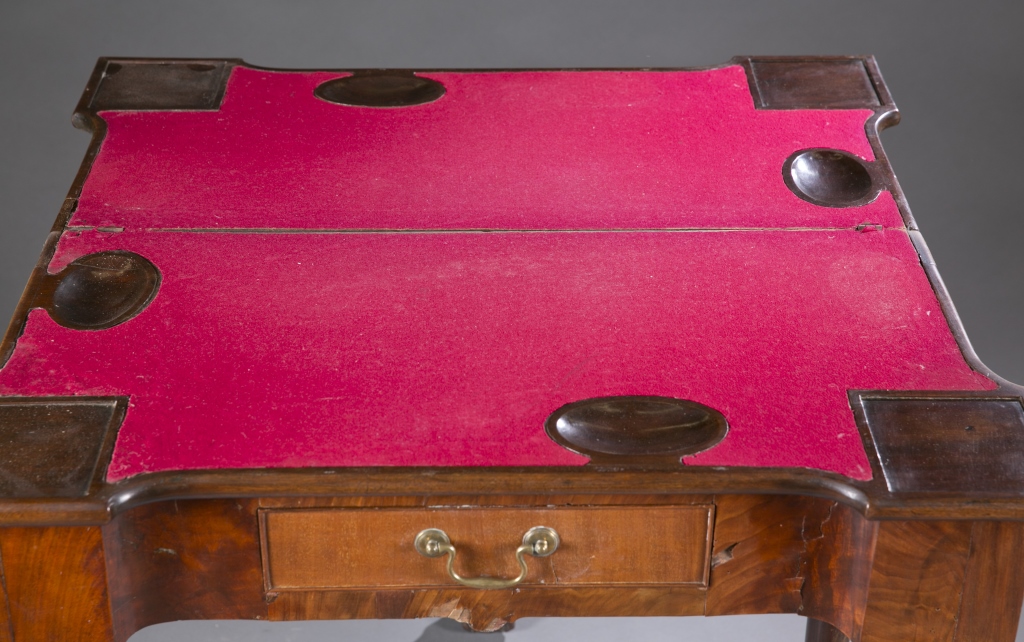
953, 69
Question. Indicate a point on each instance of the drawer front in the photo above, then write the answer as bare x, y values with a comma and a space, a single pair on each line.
307, 549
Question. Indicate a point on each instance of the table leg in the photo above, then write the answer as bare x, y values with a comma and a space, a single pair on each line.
938, 581
818, 631
56, 586
993, 588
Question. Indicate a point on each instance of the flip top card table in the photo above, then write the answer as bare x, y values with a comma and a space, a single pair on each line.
496, 344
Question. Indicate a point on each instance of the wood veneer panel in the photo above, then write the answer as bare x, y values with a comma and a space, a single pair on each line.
994, 584
374, 548
184, 560
915, 586
56, 584
756, 562
488, 610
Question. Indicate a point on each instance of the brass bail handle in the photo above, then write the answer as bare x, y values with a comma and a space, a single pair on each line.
539, 541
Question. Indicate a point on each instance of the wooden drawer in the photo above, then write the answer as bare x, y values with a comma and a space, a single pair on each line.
307, 549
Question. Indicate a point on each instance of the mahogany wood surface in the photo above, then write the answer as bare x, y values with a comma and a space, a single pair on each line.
6, 627
368, 548
525, 500
184, 560
790, 555
201, 559
913, 591
994, 584
56, 584
182, 84
983, 436
756, 538
56, 447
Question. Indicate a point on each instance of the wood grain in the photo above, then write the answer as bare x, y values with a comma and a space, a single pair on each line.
756, 557
994, 585
775, 554
838, 564
488, 610
916, 579
756, 563
366, 548
56, 584
6, 631
187, 560
380, 484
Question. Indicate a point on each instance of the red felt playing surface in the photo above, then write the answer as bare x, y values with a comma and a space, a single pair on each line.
534, 150
440, 347
452, 349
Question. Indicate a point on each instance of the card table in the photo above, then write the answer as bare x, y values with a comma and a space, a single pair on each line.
489, 344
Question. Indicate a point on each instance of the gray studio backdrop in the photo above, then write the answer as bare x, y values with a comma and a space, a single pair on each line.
953, 69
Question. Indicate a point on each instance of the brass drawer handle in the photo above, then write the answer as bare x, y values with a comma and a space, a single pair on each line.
539, 541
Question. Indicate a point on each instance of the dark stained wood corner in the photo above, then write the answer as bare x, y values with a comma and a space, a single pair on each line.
945, 442
812, 83
56, 446
160, 85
